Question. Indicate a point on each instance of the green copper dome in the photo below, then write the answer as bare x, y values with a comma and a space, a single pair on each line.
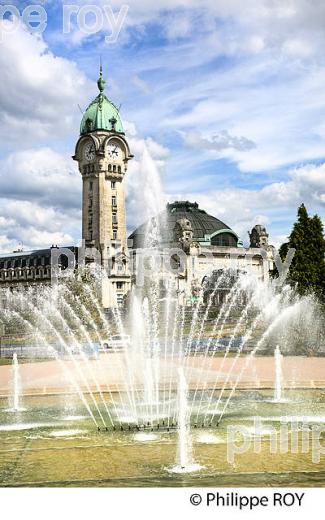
207, 230
101, 114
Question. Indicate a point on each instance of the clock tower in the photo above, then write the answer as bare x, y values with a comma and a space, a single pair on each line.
102, 153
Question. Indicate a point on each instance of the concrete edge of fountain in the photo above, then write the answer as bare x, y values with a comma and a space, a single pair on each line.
37, 392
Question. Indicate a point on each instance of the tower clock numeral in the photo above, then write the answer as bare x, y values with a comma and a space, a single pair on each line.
114, 151
89, 152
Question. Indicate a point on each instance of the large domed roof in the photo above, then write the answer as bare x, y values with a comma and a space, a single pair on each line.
101, 114
204, 226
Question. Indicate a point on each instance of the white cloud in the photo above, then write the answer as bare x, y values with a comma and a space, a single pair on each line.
278, 201
141, 84
270, 90
40, 202
278, 108
33, 226
40, 188
42, 175
178, 25
291, 26
138, 145
39, 92
218, 142
298, 48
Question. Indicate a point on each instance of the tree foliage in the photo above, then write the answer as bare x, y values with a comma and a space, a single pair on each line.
307, 271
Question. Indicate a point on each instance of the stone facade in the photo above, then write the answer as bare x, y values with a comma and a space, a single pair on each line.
102, 153
102, 158
210, 247
204, 262
25, 268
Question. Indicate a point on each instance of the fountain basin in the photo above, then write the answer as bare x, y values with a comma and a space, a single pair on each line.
115, 458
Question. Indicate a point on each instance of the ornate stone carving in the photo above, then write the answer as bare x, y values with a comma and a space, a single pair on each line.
183, 233
259, 238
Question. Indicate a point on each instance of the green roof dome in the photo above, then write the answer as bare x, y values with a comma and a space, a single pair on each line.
101, 114
206, 229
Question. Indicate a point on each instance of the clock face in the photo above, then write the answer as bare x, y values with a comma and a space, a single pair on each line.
115, 152
89, 152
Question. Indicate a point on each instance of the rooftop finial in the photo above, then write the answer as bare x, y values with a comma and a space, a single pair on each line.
101, 82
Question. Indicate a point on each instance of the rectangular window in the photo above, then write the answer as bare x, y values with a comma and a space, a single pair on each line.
90, 186
114, 234
119, 285
119, 298
114, 218
113, 185
114, 201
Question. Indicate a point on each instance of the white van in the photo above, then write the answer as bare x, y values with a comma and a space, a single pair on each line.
115, 343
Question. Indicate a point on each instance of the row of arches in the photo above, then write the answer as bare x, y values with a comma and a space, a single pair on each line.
21, 274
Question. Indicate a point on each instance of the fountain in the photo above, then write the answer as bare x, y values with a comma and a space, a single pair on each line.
174, 373
14, 399
278, 375
183, 427
169, 377
146, 387
184, 462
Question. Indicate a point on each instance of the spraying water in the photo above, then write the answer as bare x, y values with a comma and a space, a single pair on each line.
278, 374
168, 338
184, 461
16, 385
183, 430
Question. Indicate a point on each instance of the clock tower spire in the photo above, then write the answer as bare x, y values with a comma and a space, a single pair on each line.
103, 153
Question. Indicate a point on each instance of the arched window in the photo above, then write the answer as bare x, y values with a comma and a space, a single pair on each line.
224, 239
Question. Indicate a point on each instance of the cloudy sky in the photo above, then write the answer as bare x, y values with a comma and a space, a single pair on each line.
228, 101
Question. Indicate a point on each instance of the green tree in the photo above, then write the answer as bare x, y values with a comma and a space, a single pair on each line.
307, 271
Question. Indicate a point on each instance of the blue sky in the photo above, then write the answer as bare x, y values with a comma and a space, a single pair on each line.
228, 98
